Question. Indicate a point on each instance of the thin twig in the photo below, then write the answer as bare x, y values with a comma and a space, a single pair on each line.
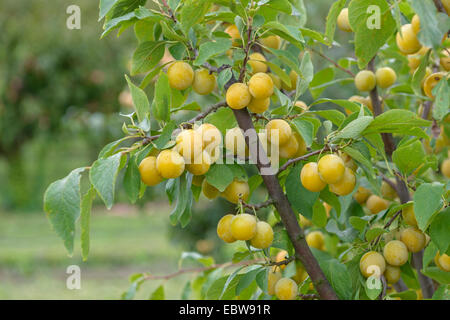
337, 65
304, 157
256, 207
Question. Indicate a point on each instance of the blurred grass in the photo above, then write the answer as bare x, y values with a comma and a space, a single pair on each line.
33, 260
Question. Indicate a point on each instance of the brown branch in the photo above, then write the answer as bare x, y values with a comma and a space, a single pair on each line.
287, 215
246, 50
425, 283
311, 296
439, 6
337, 65
217, 70
256, 207
203, 114
169, 11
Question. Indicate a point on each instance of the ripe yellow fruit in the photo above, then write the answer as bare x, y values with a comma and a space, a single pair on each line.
396, 253
361, 195
300, 105
290, 149
211, 136
237, 190
224, 229
415, 24
413, 63
444, 60
286, 289
238, 96
181, 75
408, 216
375, 204
315, 239
259, 105
189, 144
204, 82
431, 82
443, 262
280, 128
260, 85
149, 174
235, 142
233, 32
387, 191
243, 226
331, 168
392, 274
256, 64
281, 256
293, 76
304, 222
343, 22
386, 77
346, 185
407, 42
300, 273
198, 180
445, 168
263, 237
365, 80
348, 161
372, 263
170, 164
200, 165
446, 4
272, 279
209, 190
310, 178
413, 238
301, 145
272, 42
276, 80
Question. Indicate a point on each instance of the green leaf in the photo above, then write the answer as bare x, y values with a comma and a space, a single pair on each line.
358, 223
147, 56
442, 293
289, 33
396, 121
301, 199
320, 78
161, 100
427, 201
319, 217
165, 136
373, 233
354, 129
419, 74
372, 28
132, 180
103, 176
223, 119
247, 278
409, 157
334, 116
439, 232
306, 130
105, 7
211, 49
332, 16
183, 194
352, 106
261, 279
219, 176
432, 26
437, 274
158, 294
192, 12
405, 295
373, 291
441, 105
305, 76
85, 221
140, 100
336, 273
331, 199
62, 203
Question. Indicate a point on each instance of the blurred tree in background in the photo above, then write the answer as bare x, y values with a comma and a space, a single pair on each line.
56, 85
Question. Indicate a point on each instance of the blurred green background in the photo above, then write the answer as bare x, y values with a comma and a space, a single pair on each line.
61, 92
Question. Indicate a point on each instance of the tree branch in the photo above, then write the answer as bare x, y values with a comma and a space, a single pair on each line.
439, 6
304, 157
337, 65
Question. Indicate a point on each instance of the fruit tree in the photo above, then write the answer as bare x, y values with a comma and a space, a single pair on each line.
357, 186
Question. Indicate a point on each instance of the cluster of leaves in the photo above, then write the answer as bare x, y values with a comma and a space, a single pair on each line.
190, 31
